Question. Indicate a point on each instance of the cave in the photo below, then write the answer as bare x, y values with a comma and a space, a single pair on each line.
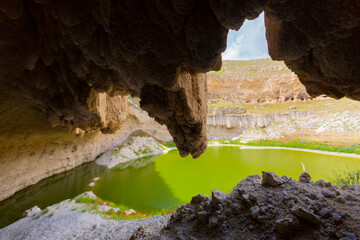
67, 68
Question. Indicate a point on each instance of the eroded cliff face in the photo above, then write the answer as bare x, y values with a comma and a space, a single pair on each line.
256, 81
230, 126
31, 149
59, 52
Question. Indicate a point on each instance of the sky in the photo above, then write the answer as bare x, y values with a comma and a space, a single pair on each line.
247, 43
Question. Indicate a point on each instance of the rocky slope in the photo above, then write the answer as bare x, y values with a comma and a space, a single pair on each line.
255, 81
271, 208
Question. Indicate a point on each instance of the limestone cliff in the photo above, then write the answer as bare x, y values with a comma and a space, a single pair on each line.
31, 149
254, 81
230, 126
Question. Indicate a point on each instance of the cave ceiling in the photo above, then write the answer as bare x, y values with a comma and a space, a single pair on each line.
58, 54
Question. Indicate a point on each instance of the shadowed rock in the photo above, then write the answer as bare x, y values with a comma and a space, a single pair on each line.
59, 54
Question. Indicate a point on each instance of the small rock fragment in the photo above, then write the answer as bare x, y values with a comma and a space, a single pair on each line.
198, 199
325, 213
203, 216
218, 197
321, 183
340, 199
305, 177
251, 227
285, 178
271, 179
328, 184
213, 221
329, 193
337, 218
286, 225
252, 198
251, 180
349, 236
305, 214
350, 197
31, 212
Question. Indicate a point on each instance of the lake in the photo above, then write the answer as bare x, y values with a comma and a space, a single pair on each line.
165, 182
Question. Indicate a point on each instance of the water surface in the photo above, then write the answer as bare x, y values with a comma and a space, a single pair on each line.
171, 180
165, 182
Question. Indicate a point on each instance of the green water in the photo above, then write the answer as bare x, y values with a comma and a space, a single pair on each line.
165, 182
172, 180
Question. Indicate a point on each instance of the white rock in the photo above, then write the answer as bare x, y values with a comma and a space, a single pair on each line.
31, 212
104, 208
130, 211
92, 184
95, 179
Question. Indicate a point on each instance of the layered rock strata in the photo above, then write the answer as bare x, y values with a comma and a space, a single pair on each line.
256, 81
59, 52
230, 126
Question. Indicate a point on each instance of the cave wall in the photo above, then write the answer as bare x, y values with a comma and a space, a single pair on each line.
31, 149
59, 52
62, 59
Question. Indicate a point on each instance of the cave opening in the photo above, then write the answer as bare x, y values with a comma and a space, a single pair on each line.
249, 42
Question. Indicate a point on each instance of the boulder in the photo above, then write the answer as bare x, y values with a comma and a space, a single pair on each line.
271, 179
305, 177
305, 214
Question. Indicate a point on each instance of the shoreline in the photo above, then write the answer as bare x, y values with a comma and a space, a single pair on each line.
353, 155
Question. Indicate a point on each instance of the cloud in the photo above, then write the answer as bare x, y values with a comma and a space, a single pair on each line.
247, 43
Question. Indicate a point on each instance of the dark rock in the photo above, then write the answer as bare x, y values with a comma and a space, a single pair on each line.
340, 199
328, 184
252, 198
349, 236
325, 213
213, 222
251, 227
251, 180
329, 193
350, 197
236, 208
257, 213
305, 214
218, 197
286, 226
285, 178
198, 199
203, 216
321, 183
271, 179
313, 196
337, 217
305, 177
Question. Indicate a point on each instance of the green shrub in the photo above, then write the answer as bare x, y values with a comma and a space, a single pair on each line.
84, 199
306, 145
348, 177
139, 133
170, 144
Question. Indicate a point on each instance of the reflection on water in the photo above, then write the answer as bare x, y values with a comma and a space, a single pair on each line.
147, 185
172, 180
49, 191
